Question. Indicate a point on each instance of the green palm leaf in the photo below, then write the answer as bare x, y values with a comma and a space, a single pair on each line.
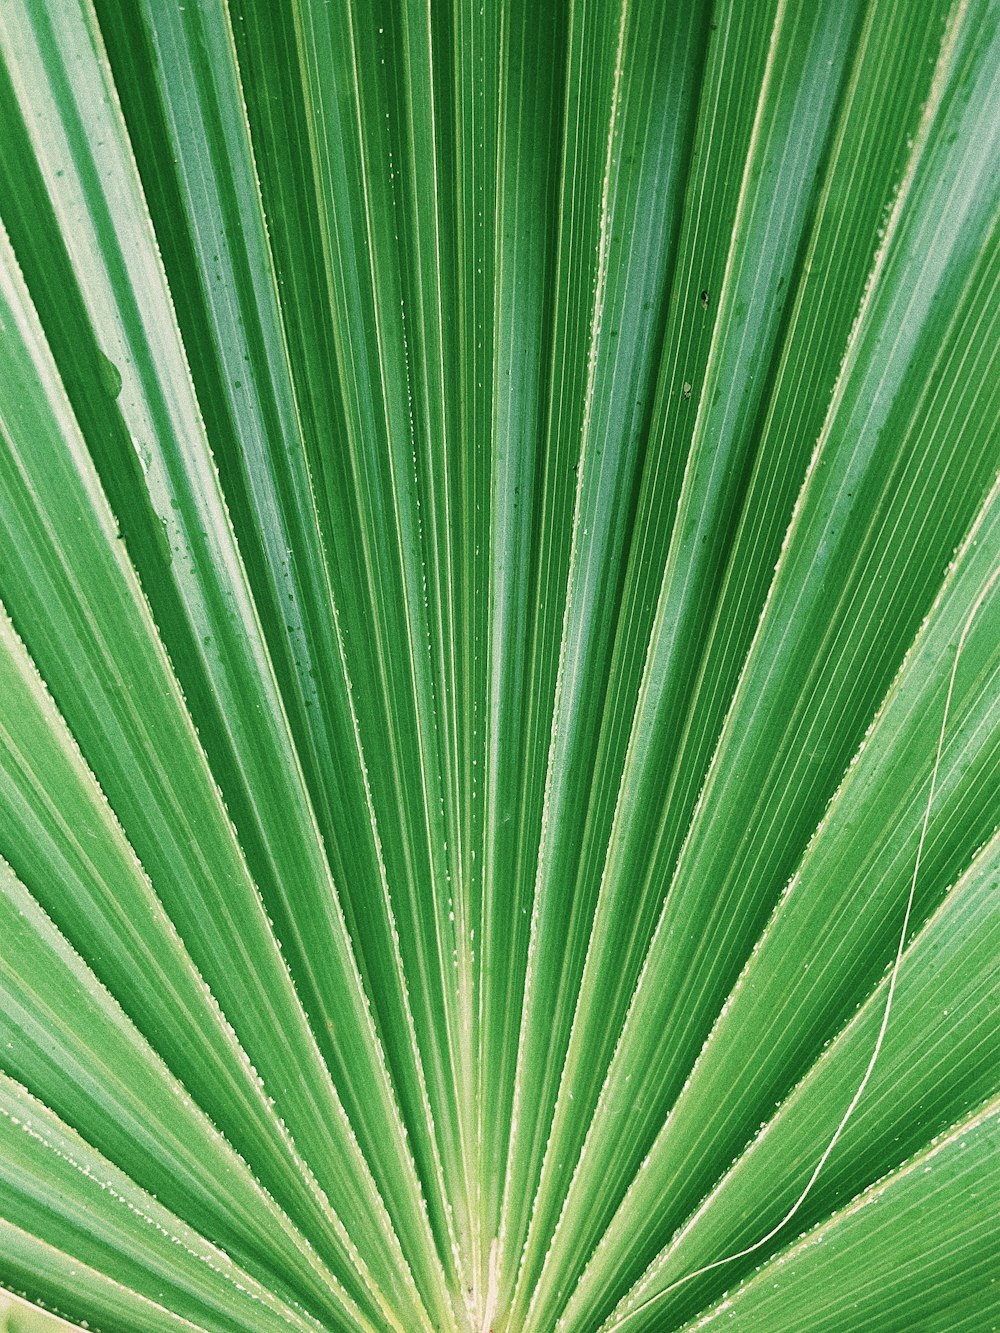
499, 664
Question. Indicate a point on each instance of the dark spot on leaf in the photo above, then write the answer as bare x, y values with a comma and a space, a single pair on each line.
110, 375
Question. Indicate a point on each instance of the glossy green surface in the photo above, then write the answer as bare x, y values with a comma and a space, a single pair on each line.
490, 499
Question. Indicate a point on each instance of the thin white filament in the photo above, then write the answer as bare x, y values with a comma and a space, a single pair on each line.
890, 993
